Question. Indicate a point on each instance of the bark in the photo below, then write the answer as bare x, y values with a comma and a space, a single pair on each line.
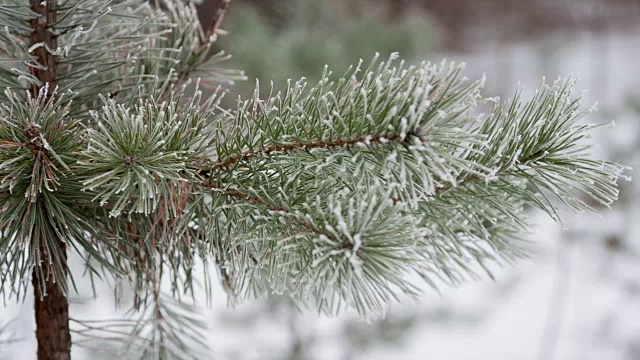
47, 69
51, 307
52, 317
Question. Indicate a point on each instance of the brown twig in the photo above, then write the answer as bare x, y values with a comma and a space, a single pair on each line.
297, 145
217, 20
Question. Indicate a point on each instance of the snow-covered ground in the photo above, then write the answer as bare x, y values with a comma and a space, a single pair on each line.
578, 298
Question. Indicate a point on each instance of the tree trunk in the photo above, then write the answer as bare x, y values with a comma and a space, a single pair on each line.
52, 318
47, 72
52, 307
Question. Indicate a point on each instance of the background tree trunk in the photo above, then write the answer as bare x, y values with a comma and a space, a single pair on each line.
52, 307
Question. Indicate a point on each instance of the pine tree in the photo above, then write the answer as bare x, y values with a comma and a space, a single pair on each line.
338, 194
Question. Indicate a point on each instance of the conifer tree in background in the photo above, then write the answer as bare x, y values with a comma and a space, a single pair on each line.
335, 193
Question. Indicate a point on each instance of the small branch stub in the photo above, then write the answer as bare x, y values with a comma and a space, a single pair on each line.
217, 20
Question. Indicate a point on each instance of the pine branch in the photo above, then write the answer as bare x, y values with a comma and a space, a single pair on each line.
238, 195
41, 191
198, 45
304, 159
161, 329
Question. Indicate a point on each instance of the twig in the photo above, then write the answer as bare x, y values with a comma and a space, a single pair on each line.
238, 195
298, 145
217, 20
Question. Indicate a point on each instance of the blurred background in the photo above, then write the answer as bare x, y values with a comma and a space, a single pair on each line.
577, 298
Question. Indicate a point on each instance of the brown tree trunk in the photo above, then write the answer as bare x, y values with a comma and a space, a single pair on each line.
47, 69
52, 307
52, 318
